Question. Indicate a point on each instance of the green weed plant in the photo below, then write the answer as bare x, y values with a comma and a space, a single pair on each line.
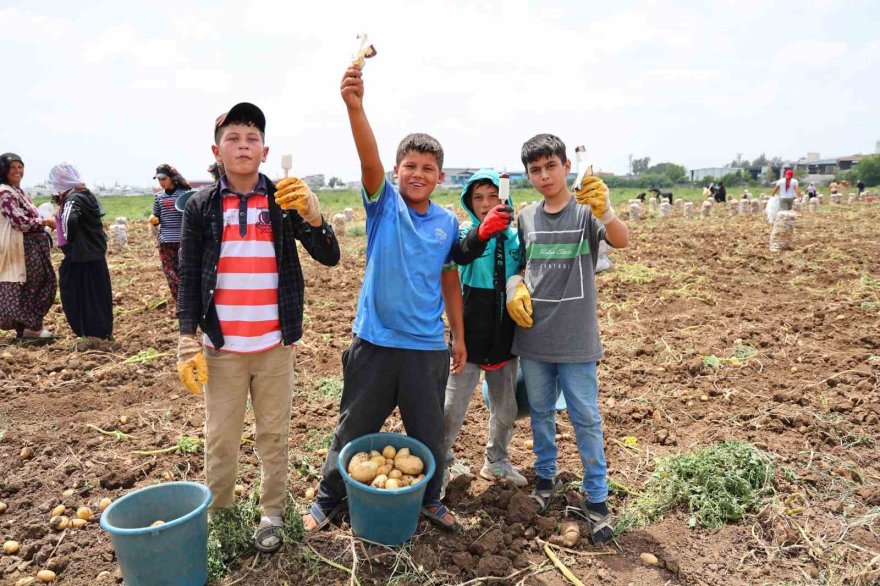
717, 484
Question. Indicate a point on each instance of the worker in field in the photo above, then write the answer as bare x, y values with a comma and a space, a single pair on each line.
241, 283
169, 220
788, 189
553, 302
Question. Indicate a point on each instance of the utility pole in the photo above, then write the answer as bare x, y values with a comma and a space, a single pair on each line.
631, 163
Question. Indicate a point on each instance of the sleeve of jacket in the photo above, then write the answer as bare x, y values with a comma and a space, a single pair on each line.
320, 242
70, 214
189, 296
157, 210
468, 248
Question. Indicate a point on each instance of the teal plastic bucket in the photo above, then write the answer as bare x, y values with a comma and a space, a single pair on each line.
522, 396
385, 516
173, 553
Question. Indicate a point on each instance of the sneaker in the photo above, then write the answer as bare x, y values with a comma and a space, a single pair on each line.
502, 469
42, 334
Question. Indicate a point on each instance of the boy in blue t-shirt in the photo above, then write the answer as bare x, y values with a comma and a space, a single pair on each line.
399, 356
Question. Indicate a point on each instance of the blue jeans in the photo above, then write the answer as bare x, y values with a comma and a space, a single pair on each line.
580, 389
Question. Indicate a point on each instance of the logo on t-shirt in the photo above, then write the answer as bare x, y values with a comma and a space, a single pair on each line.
440, 235
554, 269
264, 220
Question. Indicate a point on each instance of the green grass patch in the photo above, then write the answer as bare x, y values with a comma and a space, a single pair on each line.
635, 273
744, 351
717, 484
330, 387
231, 532
318, 439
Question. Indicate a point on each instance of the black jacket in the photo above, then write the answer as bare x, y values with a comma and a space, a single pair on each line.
81, 214
200, 240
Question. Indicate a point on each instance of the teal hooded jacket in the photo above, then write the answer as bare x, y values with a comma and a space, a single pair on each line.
487, 326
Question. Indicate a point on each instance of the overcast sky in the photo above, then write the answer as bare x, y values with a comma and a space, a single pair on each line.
120, 87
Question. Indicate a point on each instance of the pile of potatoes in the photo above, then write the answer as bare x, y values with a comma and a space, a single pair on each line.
390, 468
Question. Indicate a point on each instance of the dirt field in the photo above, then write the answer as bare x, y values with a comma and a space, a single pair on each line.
806, 324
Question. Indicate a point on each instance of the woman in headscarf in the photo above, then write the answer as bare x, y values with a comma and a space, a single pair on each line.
787, 188
86, 296
169, 219
27, 278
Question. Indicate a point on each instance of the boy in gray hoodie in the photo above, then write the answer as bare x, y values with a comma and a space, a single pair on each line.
492, 250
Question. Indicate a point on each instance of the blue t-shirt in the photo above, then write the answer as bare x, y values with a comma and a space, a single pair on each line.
401, 305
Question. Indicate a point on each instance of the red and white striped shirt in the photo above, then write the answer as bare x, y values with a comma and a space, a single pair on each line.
246, 295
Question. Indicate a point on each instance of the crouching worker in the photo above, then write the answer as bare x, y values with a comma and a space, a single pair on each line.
554, 304
398, 357
242, 284
488, 329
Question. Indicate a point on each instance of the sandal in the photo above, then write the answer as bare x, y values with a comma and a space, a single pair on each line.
601, 529
436, 512
323, 517
268, 538
544, 491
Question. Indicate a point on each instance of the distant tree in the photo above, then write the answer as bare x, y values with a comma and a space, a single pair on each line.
334, 181
868, 170
675, 173
640, 166
760, 161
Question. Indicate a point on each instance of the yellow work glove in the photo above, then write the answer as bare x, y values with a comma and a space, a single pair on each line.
154, 220
191, 366
519, 302
292, 194
593, 192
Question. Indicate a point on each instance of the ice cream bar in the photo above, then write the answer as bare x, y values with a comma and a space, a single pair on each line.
364, 51
504, 188
286, 163
580, 156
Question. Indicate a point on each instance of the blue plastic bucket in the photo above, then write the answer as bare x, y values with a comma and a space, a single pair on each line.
522, 396
173, 553
387, 516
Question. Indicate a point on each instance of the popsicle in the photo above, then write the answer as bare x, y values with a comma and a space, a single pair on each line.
580, 155
504, 188
286, 163
364, 51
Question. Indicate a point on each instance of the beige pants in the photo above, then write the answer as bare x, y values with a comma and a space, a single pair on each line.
268, 376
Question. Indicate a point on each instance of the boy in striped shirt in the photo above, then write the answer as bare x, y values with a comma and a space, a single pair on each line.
242, 284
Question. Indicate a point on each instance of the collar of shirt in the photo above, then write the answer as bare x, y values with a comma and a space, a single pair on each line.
261, 187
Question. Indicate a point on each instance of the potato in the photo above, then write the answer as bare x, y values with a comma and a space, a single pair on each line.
123, 419
389, 452
59, 510
374, 453
2, 506
407, 479
357, 459
46, 575
10, 547
379, 460
365, 472
379, 481
418, 478
26, 453
395, 474
78, 523
570, 533
385, 469
401, 453
392, 483
104, 503
411, 465
310, 492
157, 523
59, 523
238, 490
389, 462
84, 513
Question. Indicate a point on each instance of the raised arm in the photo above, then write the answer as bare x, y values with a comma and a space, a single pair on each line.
352, 90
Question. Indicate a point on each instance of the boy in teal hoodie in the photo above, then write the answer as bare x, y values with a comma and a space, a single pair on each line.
493, 245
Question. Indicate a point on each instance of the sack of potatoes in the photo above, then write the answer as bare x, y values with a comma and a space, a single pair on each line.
391, 468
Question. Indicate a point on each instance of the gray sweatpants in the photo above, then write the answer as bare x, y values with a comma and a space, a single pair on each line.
502, 412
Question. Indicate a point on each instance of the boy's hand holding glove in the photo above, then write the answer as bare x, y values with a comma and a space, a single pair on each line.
496, 222
519, 302
593, 192
191, 366
293, 194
